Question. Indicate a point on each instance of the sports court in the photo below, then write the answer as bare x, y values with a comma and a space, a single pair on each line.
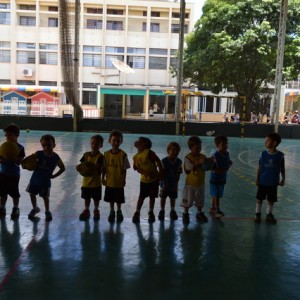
232, 258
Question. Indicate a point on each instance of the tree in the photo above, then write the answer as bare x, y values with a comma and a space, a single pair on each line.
234, 46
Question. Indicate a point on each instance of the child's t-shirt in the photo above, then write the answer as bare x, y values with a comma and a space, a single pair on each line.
222, 162
171, 171
195, 176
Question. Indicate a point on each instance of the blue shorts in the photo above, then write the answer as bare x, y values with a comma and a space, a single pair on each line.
217, 190
114, 194
42, 191
149, 189
94, 193
269, 192
9, 186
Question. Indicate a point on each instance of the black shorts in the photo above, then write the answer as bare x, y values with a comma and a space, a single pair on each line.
149, 189
114, 194
9, 186
94, 193
171, 194
267, 192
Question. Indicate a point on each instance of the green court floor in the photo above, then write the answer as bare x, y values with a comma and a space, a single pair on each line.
232, 258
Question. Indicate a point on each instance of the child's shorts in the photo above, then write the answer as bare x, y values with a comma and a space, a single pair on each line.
42, 191
9, 186
149, 189
217, 190
114, 194
267, 192
94, 193
170, 194
193, 195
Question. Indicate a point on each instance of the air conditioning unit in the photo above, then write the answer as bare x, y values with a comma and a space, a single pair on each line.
27, 72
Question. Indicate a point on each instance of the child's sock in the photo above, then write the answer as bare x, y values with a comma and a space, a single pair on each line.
258, 208
269, 208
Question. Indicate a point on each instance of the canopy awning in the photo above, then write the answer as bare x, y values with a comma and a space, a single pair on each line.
134, 92
292, 93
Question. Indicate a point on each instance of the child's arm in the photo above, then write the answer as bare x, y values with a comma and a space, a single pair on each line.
61, 167
258, 174
282, 172
103, 180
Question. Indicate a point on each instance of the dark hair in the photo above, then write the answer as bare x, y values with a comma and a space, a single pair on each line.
117, 134
175, 145
48, 138
146, 141
275, 137
221, 139
98, 138
194, 140
12, 128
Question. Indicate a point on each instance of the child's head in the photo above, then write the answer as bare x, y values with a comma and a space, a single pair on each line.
12, 132
143, 143
173, 149
48, 143
221, 142
96, 142
194, 144
115, 139
272, 140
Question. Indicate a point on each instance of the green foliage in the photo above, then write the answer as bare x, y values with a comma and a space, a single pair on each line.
234, 46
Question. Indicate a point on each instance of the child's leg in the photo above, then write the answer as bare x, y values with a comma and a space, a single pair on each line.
270, 207
3, 201
258, 206
96, 204
139, 204
112, 205
217, 203
151, 203
16, 201
46, 202
119, 205
87, 203
33, 201
162, 203
172, 203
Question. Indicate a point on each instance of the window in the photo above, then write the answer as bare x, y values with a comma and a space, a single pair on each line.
25, 45
159, 63
53, 22
154, 27
174, 62
4, 56
48, 83
109, 58
92, 60
136, 62
175, 28
27, 7
48, 47
158, 51
114, 25
230, 105
48, 58
4, 6
144, 13
4, 18
92, 48
93, 24
136, 50
177, 15
173, 52
4, 44
27, 21
114, 11
155, 14
53, 8
25, 57
114, 49
26, 82
92, 10
89, 97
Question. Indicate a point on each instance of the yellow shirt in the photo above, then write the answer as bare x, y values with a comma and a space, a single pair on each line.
115, 168
143, 161
195, 177
95, 180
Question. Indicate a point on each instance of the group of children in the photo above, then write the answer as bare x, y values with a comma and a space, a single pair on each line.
157, 177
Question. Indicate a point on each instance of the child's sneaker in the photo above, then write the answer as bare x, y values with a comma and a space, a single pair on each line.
85, 215
96, 214
48, 216
151, 217
2, 212
136, 217
201, 217
212, 210
15, 213
112, 215
219, 214
33, 212
173, 215
257, 218
120, 217
186, 218
161, 215
270, 219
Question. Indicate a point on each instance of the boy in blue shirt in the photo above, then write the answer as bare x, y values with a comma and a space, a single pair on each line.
271, 165
10, 174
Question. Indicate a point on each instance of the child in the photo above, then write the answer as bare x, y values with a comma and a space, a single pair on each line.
271, 165
10, 174
169, 185
195, 180
40, 182
114, 175
147, 163
91, 186
219, 173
